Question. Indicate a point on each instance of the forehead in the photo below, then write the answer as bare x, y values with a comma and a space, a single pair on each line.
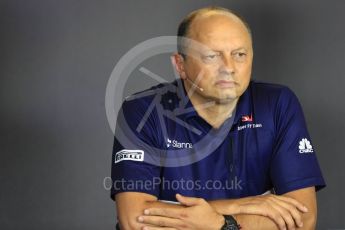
220, 31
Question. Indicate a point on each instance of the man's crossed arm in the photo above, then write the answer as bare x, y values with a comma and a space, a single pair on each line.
144, 211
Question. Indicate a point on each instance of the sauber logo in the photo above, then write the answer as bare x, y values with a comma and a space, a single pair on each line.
132, 155
247, 118
305, 146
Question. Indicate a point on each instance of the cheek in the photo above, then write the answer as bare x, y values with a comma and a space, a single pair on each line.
245, 71
192, 69
196, 68
244, 76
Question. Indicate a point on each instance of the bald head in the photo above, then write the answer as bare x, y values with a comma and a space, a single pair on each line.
194, 23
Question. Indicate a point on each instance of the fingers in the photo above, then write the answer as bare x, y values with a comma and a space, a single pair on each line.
188, 201
284, 211
293, 202
270, 209
157, 228
165, 212
159, 222
285, 214
266, 209
275, 215
292, 211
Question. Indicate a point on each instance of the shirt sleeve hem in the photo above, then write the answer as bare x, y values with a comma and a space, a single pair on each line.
318, 182
113, 193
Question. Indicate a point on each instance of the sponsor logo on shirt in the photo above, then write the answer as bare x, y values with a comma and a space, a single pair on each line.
129, 155
305, 146
249, 126
178, 145
247, 118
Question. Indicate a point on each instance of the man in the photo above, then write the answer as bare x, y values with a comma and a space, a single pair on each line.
256, 138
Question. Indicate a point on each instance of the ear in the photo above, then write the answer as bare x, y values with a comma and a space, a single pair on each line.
177, 61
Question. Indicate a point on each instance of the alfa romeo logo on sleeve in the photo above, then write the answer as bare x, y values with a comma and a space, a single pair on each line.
132, 61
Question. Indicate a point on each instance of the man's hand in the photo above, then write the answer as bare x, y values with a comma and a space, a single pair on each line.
251, 212
197, 214
284, 211
272, 211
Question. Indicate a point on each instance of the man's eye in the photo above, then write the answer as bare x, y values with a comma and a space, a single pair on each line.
212, 56
240, 55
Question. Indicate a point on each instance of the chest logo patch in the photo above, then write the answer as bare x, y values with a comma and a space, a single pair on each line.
249, 126
179, 145
247, 118
305, 146
129, 155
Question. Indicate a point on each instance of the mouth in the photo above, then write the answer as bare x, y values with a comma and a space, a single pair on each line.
225, 84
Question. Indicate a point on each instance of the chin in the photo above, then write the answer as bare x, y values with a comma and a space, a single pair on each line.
221, 96
228, 98
224, 99
227, 95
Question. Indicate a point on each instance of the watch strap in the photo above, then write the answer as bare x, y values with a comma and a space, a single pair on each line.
230, 223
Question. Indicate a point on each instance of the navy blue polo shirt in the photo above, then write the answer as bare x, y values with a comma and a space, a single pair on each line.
163, 147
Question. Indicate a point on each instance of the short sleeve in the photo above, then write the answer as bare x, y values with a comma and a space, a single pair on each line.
294, 164
135, 151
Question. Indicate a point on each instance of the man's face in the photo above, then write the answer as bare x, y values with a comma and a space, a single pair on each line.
225, 61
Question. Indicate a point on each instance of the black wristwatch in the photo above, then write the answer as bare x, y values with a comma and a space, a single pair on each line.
230, 223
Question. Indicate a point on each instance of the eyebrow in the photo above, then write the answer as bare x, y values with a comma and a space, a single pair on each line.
237, 49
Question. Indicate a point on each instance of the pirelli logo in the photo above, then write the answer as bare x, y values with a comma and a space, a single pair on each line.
129, 155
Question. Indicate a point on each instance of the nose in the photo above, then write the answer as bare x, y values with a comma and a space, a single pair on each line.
227, 65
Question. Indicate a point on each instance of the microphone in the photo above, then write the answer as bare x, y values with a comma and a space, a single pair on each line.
195, 85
